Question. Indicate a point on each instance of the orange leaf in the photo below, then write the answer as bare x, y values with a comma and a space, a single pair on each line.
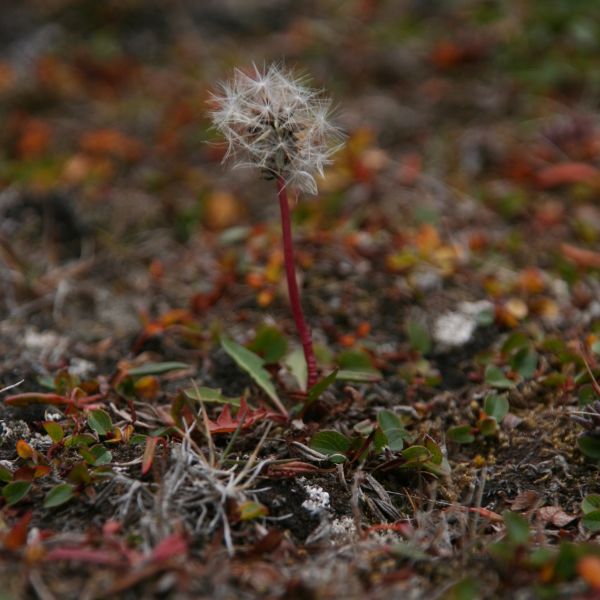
566, 174
41, 471
580, 256
24, 450
17, 536
111, 142
589, 568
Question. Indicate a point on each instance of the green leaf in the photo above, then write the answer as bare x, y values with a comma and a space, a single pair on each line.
59, 495
296, 364
415, 455
437, 456
358, 376
488, 426
418, 336
100, 421
467, 589
331, 443
590, 503
79, 474
525, 362
514, 342
316, 390
54, 430
591, 520
96, 455
157, 368
496, 406
79, 440
589, 445
586, 394
269, 343
210, 396
137, 438
393, 429
354, 360
16, 491
5, 474
252, 510
441, 470
462, 434
517, 528
252, 364
496, 378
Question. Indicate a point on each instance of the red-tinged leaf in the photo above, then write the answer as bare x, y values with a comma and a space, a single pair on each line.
291, 469
17, 536
28, 398
41, 471
24, 473
173, 545
149, 452
490, 515
566, 174
87, 555
225, 423
24, 450
587, 259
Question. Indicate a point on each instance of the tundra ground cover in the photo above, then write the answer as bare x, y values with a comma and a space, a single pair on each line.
449, 268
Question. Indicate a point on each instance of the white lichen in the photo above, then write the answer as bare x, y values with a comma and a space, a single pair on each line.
317, 500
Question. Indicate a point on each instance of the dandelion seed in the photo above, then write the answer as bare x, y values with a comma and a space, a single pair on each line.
274, 121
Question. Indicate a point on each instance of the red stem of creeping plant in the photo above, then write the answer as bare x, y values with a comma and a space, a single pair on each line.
290, 272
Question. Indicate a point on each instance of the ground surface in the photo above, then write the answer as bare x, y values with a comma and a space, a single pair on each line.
449, 270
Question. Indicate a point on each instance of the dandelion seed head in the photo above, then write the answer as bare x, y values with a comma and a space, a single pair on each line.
273, 120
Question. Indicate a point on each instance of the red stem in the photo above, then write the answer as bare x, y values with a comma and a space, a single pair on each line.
290, 272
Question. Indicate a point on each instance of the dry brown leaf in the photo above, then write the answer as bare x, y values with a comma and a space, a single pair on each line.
525, 500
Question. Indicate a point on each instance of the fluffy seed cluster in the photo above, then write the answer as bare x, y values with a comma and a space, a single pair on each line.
273, 120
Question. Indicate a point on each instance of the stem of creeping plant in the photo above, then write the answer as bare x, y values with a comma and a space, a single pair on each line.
290, 272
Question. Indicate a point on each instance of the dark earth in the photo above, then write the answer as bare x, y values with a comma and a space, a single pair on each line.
449, 269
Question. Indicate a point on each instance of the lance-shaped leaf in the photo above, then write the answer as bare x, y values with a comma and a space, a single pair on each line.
253, 365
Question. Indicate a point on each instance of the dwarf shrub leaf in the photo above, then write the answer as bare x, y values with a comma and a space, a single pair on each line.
16, 491
59, 495
517, 527
589, 445
590, 503
100, 421
461, 434
591, 520
270, 344
496, 406
54, 430
496, 378
331, 443
393, 429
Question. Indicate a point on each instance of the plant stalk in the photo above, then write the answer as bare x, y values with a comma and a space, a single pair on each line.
290, 272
